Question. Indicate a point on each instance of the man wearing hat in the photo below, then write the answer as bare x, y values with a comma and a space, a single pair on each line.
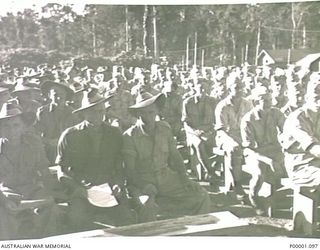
154, 165
24, 170
172, 110
262, 151
53, 118
89, 155
4, 96
29, 97
118, 114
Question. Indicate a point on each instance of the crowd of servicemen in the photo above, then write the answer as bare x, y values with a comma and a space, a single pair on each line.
65, 130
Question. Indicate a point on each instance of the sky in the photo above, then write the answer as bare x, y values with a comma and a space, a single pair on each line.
78, 5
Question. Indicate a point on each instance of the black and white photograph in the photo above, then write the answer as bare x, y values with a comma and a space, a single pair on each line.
185, 121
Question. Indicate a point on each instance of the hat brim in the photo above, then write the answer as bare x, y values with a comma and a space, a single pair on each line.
9, 116
159, 100
102, 100
47, 85
25, 90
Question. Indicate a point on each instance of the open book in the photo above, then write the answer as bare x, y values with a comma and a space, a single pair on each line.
101, 196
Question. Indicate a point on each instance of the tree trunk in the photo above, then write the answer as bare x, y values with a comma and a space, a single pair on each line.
146, 30
234, 55
94, 39
155, 35
127, 29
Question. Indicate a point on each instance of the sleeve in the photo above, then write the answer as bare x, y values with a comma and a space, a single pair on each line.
64, 158
129, 157
221, 118
175, 159
247, 133
302, 133
184, 111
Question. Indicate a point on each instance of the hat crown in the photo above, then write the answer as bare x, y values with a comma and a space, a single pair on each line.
91, 97
10, 109
143, 97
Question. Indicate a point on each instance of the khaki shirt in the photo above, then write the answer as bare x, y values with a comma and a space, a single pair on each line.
151, 154
228, 117
259, 130
22, 165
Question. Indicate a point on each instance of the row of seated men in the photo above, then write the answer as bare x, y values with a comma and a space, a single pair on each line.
123, 132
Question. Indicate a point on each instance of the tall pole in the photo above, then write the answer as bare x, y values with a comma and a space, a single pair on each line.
246, 54
258, 43
187, 53
289, 56
195, 49
304, 35
202, 58
127, 30
155, 41
94, 39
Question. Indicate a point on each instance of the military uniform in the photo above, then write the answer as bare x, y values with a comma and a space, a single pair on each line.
198, 114
259, 131
300, 132
90, 156
228, 118
153, 160
118, 112
24, 169
172, 112
51, 121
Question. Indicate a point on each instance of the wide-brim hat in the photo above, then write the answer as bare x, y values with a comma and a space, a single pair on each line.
22, 88
92, 98
47, 85
145, 99
10, 109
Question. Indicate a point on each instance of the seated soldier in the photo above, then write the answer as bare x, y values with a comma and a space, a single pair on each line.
154, 165
54, 117
24, 169
89, 156
229, 113
172, 110
198, 118
301, 137
262, 150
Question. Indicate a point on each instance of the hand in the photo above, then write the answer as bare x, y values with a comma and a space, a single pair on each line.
80, 192
199, 132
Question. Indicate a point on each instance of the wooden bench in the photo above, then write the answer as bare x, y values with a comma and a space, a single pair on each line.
305, 207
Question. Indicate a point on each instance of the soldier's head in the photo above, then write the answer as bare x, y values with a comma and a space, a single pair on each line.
147, 107
56, 92
278, 89
12, 125
93, 107
295, 94
235, 86
312, 97
262, 98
